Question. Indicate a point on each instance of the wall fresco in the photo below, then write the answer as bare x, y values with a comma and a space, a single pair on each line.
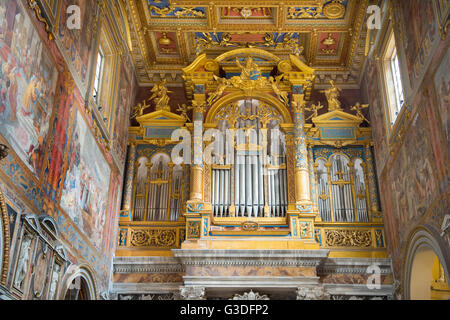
85, 190
27, 86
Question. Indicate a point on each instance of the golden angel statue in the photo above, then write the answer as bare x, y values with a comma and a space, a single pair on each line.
358, 107
222, 84
315, 110
332, 95
138, 110
250, 71
184, 108
282, 95
160, 96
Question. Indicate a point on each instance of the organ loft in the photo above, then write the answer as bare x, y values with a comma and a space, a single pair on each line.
224, 150
248, 176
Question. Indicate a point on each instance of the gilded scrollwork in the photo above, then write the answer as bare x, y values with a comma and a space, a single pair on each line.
348, 238
154, 237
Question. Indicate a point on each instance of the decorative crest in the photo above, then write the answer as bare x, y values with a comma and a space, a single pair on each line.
250, 296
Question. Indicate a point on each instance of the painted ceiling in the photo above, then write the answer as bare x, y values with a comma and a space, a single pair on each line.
164, 36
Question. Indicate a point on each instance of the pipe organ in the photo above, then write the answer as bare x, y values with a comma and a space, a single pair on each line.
249, 172
342, 193
257, 167
158, 190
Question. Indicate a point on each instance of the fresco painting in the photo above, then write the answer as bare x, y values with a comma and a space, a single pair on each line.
124, 100
413, 190
442, 86
28, 80
85, 191
420, 34
373, 94
78, 44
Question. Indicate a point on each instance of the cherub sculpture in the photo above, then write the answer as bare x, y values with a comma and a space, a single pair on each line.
314, 109
184, 108
282, 95
222, 84
358, 107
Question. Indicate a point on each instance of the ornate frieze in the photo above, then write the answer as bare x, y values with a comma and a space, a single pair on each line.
348, 238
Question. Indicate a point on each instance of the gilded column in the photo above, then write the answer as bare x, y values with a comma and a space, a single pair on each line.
197, 152
312, 179
197, 220
302, 182
126, 214
373, 202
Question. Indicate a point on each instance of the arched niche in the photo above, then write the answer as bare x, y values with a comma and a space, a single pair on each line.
79, 284
424, 249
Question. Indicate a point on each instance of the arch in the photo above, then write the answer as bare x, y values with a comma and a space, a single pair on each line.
87, 282
423, 246
284, 112
254, 52
4, 239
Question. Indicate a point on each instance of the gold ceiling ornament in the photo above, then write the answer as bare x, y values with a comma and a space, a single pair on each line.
332, 95
329, 41
212, 39
289, 42
164, 12
358, 107
208, 41
160, 96
334, 10
314, 109
3, 151
164, 40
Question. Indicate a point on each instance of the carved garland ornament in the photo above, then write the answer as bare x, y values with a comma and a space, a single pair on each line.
348, 238
159, 238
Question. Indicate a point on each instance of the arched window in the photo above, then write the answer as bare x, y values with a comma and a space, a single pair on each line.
248, 176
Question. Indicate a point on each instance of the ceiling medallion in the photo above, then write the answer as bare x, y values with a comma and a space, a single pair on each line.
164, 40
334, 10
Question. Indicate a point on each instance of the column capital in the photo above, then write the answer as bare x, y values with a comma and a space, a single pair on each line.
192, 293
312, 293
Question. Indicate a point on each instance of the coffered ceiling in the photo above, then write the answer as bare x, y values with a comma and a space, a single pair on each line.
165, 36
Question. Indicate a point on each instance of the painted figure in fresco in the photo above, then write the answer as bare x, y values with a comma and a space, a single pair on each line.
27, 86
332, 95
160, 96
